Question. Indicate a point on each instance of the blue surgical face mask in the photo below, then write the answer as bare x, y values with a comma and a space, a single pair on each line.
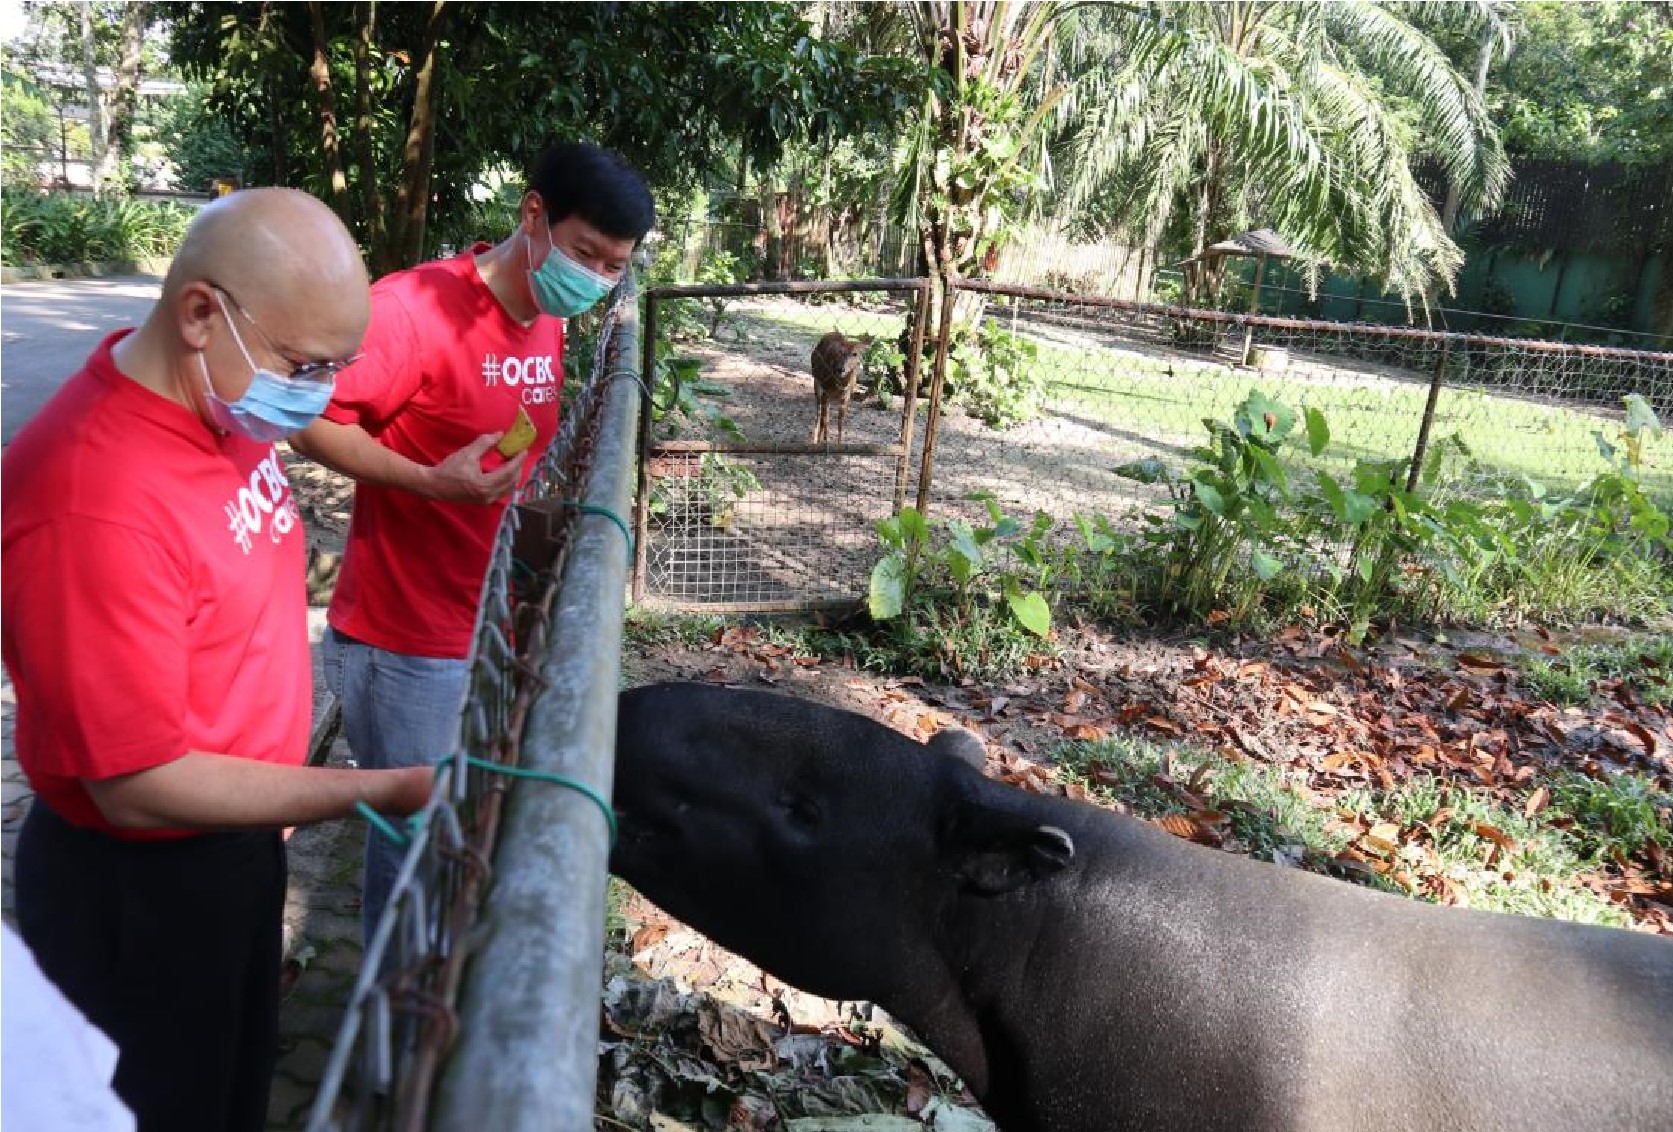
562, 287
272, 407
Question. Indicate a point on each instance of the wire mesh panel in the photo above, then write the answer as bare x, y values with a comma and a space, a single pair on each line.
745, 504
1557, 414
799, 533
1116, 383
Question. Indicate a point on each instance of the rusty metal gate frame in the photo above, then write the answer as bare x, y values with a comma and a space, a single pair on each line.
901, 451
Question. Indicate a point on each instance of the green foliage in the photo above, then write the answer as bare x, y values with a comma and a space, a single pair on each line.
995, 377
1571, 677
1267, 809
1535, 875
28, 129
1616, 815
1587, 82
54, 228
1250, 532
962, 600
680, 89
1228, 528
1303, 117
200, 143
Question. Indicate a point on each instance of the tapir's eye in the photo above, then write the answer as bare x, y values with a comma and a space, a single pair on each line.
803, 811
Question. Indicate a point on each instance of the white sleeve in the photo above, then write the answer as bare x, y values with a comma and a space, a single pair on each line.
57, 1066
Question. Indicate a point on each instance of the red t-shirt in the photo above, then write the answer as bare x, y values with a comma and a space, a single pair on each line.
444, 363
153, 593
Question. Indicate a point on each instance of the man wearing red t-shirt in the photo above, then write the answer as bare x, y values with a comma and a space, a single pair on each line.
153, 620
457, 349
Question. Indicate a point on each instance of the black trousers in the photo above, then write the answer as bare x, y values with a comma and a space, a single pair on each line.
172, 948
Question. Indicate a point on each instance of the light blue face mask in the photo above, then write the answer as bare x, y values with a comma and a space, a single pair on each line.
563, 288
272, 407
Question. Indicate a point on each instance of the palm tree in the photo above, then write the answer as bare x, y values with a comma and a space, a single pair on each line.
1300, 116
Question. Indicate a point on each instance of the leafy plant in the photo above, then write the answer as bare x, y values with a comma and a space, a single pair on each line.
1226, 509
55, 228
995, 377
963, 599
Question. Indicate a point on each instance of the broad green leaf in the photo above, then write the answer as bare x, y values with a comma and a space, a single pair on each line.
1271, 470
1640, 415
1030, 610
1266, 566
1318, 431
1332, 493
1210, 497
913, 526
963, 541
888, 587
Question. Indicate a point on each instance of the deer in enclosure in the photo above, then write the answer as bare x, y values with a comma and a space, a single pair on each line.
836, 368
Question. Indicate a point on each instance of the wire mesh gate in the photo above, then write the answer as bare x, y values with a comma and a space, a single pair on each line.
749, 516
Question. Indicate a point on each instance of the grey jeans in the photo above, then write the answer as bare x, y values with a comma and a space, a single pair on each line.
398, 710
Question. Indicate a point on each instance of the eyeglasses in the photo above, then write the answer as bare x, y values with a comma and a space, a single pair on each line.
321, 372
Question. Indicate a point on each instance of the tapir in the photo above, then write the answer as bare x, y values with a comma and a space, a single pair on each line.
1083, 971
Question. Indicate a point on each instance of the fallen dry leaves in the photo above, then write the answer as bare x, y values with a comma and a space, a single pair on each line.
1347, 718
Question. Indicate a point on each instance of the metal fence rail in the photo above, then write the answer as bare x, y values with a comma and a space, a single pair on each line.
523, 710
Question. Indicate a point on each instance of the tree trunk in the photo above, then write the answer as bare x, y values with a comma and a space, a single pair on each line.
95, 98
278, 141
412, 200
319, 72
364, 133
1202, 278
119, 128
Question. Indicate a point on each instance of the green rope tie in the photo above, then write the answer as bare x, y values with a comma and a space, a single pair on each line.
382, 824
594, 509
581, 788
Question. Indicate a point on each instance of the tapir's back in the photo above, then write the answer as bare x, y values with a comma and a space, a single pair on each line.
1243, 995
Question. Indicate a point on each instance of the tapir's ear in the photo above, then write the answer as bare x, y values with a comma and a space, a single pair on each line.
994, 852
959, 743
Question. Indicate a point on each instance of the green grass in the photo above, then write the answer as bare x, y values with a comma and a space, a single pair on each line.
1644, 663
647, 628
1275, 816
1164, 398
1616, 815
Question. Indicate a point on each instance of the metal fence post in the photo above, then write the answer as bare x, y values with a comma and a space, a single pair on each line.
911, 367
647, 415
527, 1060
1435, 384
926, 471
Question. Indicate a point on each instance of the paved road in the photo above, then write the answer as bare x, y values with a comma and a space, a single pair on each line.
48, 328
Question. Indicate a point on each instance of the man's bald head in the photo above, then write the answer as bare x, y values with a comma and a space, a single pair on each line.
287, 259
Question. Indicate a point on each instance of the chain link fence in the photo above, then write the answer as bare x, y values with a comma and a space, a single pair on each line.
1119, 382
767, 522
440, 981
